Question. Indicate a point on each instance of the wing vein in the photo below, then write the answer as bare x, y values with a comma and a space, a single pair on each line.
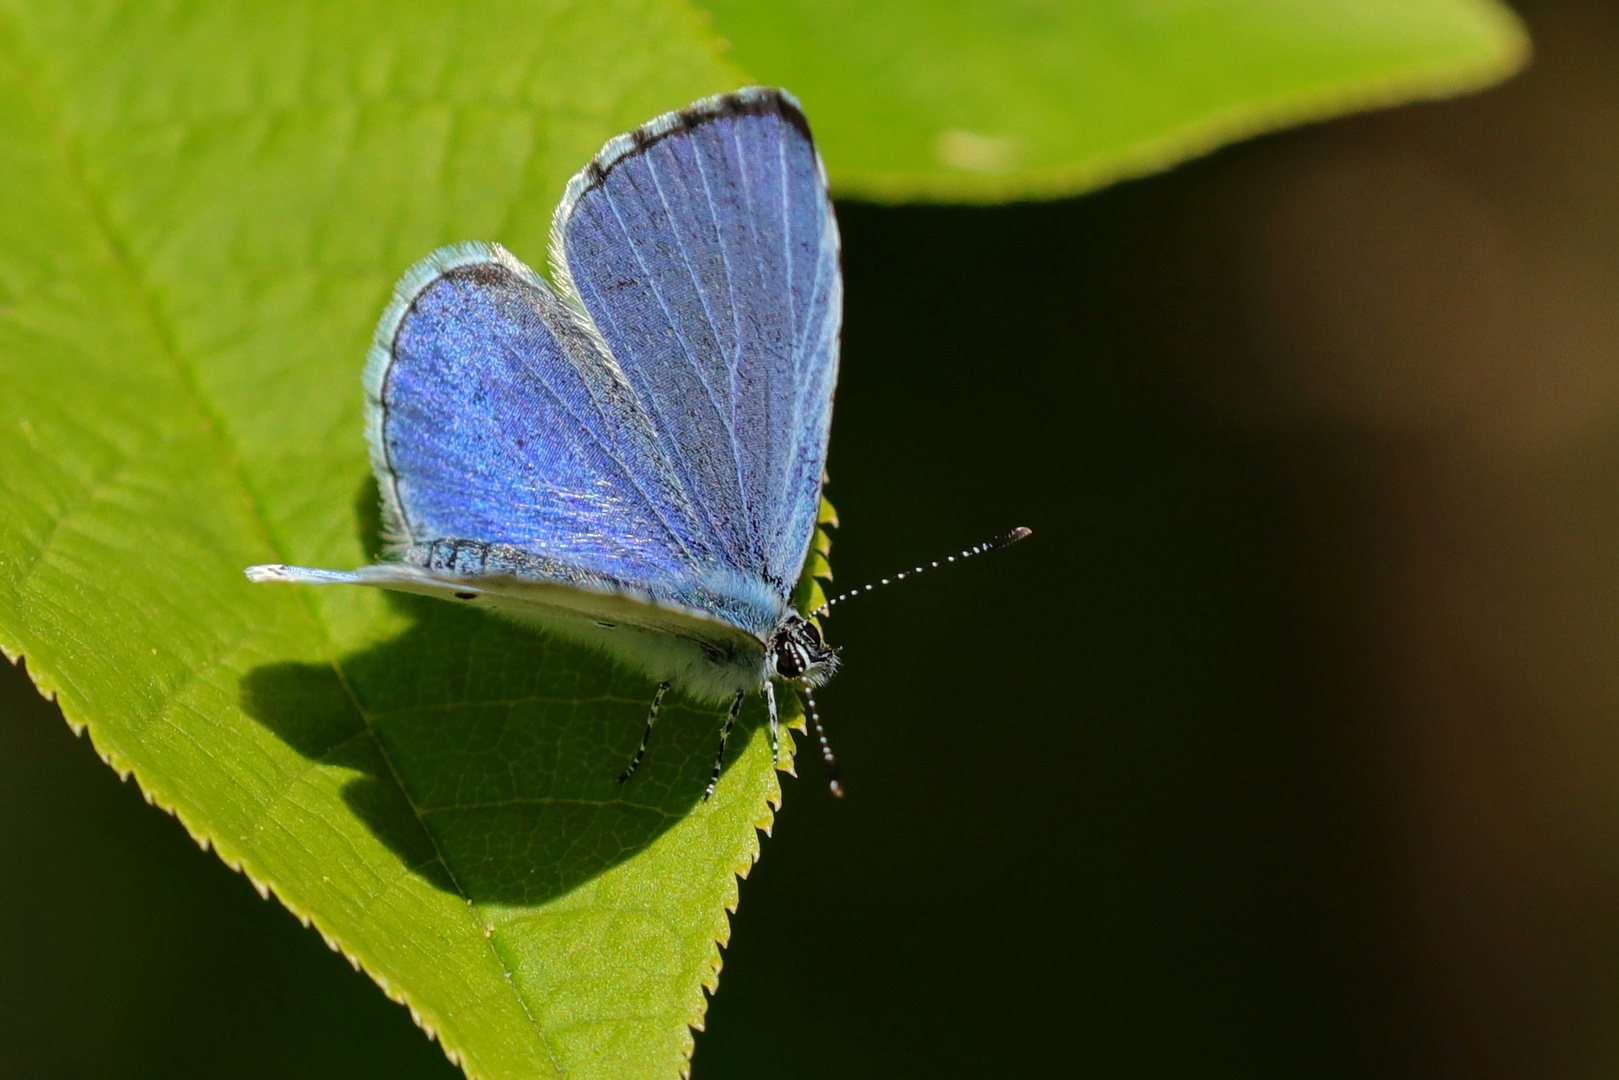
608, 451
734, 361
752, 219
736, 349
783, 503
685, 346
818, 291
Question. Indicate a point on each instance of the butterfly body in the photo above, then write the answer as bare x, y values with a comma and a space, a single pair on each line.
631, 458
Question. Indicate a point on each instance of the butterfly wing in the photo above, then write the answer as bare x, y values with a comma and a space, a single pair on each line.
704, 249
507, 445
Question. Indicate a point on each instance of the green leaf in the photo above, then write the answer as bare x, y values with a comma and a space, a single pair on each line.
206, 208
985, 100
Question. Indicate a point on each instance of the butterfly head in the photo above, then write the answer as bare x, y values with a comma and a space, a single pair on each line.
798, 654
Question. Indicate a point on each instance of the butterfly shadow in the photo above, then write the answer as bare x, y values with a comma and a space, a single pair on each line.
487, 757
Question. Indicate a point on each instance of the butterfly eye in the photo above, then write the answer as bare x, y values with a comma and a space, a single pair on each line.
792, 660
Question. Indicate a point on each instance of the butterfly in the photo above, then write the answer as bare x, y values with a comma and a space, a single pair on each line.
630, 457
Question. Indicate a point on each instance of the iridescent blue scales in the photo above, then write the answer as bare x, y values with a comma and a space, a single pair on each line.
631, 458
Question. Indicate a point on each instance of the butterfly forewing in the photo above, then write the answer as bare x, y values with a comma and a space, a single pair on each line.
705, 250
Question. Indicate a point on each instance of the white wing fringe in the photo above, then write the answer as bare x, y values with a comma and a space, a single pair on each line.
302, 575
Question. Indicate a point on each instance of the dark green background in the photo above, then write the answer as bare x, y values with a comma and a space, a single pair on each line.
1285, 748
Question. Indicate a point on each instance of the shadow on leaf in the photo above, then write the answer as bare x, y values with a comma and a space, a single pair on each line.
487, 757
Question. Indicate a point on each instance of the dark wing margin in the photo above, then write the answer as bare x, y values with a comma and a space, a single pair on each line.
703, 249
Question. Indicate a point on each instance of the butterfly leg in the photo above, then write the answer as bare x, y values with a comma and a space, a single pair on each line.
651, 718
725, 733
775, 723
834, 775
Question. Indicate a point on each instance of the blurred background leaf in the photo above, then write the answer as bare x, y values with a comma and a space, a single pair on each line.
987, 100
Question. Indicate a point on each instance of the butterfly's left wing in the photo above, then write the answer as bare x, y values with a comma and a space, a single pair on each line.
703, 247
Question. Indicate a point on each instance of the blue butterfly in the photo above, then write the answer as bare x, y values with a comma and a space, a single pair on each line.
632, 457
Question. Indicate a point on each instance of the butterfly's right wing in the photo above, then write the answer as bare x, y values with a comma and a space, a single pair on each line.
493, 418
704, 248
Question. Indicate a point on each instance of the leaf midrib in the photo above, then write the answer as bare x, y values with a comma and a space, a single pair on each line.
33, 84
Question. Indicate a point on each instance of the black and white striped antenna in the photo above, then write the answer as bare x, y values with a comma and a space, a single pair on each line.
834, 776
1001, 541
